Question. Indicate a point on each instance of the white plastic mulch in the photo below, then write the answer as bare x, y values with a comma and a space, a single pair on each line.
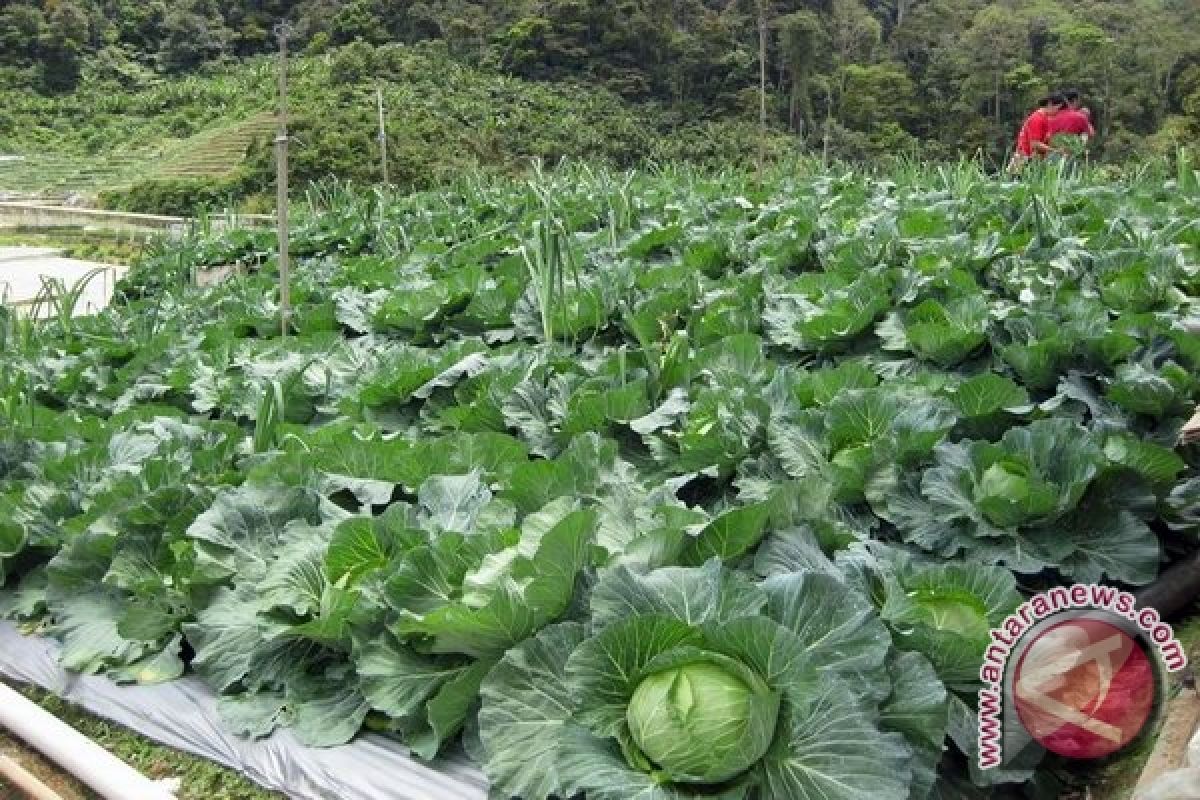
183, 714
23, 271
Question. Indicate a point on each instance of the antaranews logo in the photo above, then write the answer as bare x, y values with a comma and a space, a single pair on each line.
1076, 670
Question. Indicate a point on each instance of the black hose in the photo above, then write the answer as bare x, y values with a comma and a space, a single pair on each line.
1175, 590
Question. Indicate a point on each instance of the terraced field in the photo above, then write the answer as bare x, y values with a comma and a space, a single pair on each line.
210, 153
217, 152
58, 175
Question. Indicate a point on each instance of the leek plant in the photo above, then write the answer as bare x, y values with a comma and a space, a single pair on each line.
56, 300
1187, 177
16, 399
271, 410
548, 260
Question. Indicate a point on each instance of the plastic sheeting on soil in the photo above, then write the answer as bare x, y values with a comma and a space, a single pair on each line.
22, 271
183, 714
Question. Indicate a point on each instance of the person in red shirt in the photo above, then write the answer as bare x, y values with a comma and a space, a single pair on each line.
1074, 120
1034, 139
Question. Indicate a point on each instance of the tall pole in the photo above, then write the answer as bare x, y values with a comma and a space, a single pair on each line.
762, 84
382, 135
283, 30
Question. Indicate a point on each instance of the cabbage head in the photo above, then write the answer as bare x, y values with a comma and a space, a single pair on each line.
699, 683
703, 722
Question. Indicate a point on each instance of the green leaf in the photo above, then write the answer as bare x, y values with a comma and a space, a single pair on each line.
147, 620
1139, 389
453, 502
963, 729
691, 595
597, 768
946, 611
772, 650
28, 599
729, 536
244, 529
295, 581
819, 387
424, 304
947, 334
988, 394
1158, 465
828, 317
1117, 545
538, 593
254, 714
87, 626
917, 709
398, 681
599, 410
526, 707
674, 408
833, 751
360, 547
431, 575
228, 637
447, 710
12, 541
794, 549
160, 667
841, 632
326, 710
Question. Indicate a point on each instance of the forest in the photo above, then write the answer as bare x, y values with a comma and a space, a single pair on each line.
854, 78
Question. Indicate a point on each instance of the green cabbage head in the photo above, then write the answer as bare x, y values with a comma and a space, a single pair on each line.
1010, 492
703, 722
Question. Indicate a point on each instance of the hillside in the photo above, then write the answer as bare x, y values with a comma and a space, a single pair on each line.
115, 93
172, 143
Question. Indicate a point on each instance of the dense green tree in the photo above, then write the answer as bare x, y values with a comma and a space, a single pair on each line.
966, 71
799, 34
61, 44
189, 39
359, 20
21, 27
875, 95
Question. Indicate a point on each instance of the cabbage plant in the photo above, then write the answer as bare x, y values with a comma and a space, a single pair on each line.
1045, 495
697, 682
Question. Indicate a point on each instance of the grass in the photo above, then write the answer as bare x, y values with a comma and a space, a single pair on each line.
99, 246
199, 779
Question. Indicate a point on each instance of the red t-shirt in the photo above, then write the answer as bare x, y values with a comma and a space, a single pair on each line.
1076, 123
1035, 129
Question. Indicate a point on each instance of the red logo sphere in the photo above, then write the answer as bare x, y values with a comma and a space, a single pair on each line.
1084, 688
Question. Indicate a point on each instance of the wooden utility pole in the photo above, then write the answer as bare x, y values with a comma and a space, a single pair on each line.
762, 84
382, 135
283, 30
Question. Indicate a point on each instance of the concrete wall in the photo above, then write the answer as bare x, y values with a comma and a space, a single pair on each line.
33, 215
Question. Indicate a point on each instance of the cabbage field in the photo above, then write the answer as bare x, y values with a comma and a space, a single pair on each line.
637, 486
